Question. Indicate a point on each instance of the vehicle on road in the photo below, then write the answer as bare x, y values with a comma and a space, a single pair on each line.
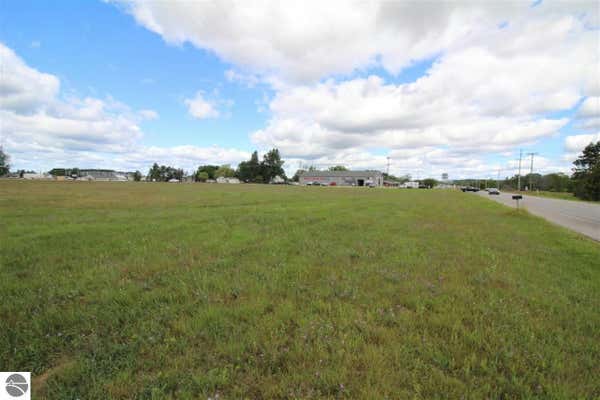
492, 191
469, 189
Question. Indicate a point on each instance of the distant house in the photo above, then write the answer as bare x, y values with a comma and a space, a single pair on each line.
102, 175
342, 178
36, 176
410, 185
222, 179
277, 180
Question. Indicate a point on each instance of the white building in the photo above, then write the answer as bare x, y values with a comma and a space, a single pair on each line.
342, 178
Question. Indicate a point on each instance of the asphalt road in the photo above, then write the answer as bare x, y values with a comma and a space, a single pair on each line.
579, 216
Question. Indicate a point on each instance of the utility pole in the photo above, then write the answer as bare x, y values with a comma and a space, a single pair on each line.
498, 180
387, 172
531, 171
519, 176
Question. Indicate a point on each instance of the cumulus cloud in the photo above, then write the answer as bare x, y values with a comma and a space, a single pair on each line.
367, 113
576, 143
41, 129
500, 70
319, 38
201, 108
22, 88
33, 115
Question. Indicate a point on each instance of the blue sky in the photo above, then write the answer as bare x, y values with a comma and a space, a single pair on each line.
129, 83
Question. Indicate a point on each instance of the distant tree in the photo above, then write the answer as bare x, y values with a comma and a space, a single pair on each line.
312, 168
4, 162
272, 166
586, 174
556, 182
164, 173
263, 171
58, 172
429, 182
296, 177
399, 179
248, 170
137, 176
338, 168
202, 176
21, 173
209, 169
154, 173
225, 171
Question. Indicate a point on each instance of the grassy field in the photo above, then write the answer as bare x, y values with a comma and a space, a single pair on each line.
151, 291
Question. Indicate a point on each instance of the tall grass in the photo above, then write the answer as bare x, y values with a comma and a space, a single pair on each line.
120, 291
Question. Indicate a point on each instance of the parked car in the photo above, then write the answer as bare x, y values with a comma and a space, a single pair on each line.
469, 189
493, 191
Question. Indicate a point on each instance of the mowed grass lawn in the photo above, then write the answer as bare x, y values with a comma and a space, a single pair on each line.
150, 291
552, 195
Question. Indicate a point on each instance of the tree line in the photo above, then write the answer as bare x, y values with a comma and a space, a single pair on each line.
584, 183
251, 171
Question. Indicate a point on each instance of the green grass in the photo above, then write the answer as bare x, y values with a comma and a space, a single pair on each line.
150, 291
553, 195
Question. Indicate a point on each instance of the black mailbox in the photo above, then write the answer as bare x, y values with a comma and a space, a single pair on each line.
517, 197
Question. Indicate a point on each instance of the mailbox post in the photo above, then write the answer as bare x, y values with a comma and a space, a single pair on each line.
517, 197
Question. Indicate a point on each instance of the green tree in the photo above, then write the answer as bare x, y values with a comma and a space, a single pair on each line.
202, 176
209, 169
586, 174
58, 172
338, 168
225, 171
248, 170
429, 182
4, 162
272, 166
137, 176
164, 173
154, 173
556, 182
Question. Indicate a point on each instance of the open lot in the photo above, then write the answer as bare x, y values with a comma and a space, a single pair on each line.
141, 290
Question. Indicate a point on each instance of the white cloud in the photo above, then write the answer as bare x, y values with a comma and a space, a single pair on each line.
367, 113
500, 69
590, 108
576, 143
33, 116
307, 41
201, 108
23, 89
40, 129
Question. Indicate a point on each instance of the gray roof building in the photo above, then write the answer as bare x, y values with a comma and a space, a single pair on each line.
342, 178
